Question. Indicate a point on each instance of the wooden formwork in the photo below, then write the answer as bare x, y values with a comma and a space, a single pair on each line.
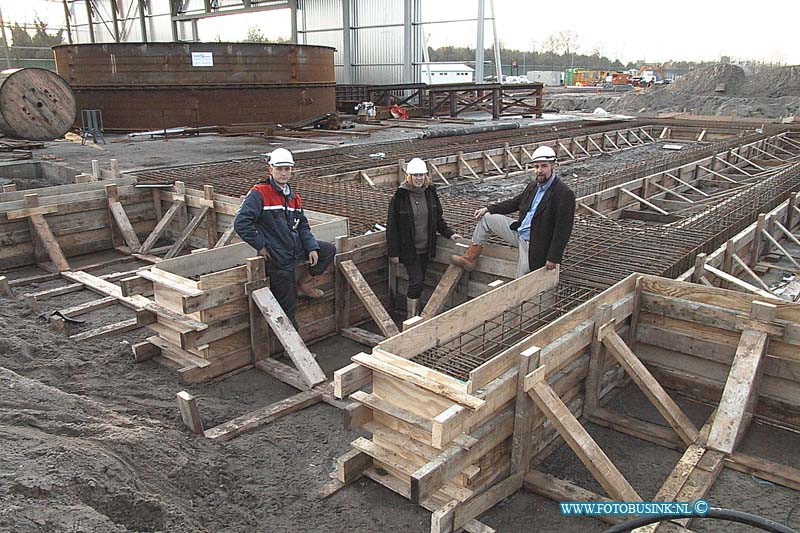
738, 263
459, 446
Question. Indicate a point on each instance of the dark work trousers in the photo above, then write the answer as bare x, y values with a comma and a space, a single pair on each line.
416, 275
282, 283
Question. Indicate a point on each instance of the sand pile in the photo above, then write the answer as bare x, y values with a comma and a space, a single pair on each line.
767, 92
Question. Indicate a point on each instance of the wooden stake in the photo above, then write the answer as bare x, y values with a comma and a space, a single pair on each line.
190, 413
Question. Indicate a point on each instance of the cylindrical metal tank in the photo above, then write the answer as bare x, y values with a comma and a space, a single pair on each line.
35, 104
140, 86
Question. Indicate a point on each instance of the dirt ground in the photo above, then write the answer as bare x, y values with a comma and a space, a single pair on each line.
92, 441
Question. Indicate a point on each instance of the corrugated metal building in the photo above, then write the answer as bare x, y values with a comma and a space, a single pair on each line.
376, 41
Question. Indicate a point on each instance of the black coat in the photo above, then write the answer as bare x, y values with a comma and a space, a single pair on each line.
552, 223
400, 225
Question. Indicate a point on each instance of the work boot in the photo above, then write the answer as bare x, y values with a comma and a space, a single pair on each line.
305, 287
469, 259
412, 306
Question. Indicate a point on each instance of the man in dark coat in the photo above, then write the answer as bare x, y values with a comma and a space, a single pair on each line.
271, 220
546, 211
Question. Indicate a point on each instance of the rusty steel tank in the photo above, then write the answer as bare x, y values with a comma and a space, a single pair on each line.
145, 86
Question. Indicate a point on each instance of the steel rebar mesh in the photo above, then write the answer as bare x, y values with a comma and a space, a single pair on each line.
470, 349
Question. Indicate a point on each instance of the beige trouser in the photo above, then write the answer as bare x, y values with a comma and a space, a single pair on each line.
498, 225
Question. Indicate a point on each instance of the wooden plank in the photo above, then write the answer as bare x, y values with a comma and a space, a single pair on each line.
190, 413
5, 288
160, 277
648, 384
110, 329
42, 229
740, 393
351, 465
579, 439
282, 372
376, 404
443, 328
474, 507
597, 360
226, 237
187, 232
263, 416
523, 413
643, 201
362, 336
288, 336
442, 292
350, 378
124, 225
368, 298
378, 364
559, 490
161, 227
431, 477
144, 351
733, 280
15, 214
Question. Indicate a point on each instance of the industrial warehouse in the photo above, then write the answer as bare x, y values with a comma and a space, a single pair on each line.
342, 281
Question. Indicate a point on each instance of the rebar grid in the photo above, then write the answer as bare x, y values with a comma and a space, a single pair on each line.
470, 349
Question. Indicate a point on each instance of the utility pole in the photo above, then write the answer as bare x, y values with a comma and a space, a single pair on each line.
66, 19
479, 42
498, 67
5, 41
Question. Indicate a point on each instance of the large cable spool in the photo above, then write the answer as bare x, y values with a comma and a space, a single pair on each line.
35, 104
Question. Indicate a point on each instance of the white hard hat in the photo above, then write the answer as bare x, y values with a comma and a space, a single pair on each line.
281, 157
416, 166
543, 153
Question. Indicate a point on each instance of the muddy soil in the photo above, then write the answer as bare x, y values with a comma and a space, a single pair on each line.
92, 441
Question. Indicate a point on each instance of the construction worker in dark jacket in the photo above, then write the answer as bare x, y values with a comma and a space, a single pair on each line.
272, 221
414, 219
546, 211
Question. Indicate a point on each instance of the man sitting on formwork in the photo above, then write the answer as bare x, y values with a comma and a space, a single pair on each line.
542, 229
271, 220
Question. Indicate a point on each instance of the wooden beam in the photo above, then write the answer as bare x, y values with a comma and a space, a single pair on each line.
362, 336
645, 202
524, 407
211, 216
559, 490
597, 358
290, 339
350, 378
190, 413
124, 225
161, 227
42, 229
351, 465
733, 280
782, 475
578, 438
5, 288
741, 388
368, 298
442, 292
187, 232
226, 236
377, 362
431, 477
263, 416
647, 383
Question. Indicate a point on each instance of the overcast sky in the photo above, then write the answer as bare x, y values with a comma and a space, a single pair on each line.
625, 29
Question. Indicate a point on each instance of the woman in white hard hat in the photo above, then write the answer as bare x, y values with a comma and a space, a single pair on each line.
414, 219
